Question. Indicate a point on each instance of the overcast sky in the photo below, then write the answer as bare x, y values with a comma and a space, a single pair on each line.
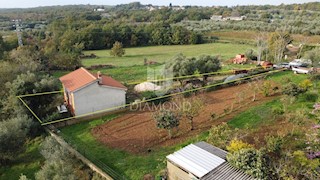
36, 3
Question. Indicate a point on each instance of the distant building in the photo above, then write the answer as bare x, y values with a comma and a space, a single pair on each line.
216, 18
177, 8
202, 161
230, 18
241, 18
151, 8
85, 92
99, 10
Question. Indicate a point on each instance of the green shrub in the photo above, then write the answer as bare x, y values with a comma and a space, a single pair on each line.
252, 161
266, 88
315, 77
236, 145
277, 111
305, 84
310, 97
273, 143
292, 89
221, 135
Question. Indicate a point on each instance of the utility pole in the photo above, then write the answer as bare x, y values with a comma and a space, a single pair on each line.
18, 30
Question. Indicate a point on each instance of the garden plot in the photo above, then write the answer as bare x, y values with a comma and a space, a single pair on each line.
136, 131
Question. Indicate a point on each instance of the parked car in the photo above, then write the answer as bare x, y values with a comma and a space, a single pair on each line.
298, 63
267, 65
302, 70
282, 65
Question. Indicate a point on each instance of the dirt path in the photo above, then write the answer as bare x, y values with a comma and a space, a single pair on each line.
136, 132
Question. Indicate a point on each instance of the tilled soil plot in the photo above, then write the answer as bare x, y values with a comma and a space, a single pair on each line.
136, 131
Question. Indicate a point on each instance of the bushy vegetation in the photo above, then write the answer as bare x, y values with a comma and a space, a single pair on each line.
274, 154
167, 119
182, 66
13, 135
117, 49
252, 161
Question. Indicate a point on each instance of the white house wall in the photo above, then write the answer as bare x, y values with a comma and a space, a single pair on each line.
94, 98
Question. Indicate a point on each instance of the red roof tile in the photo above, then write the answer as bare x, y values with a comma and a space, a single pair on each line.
109, 81
82, 77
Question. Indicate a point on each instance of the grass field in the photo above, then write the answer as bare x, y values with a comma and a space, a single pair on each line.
137, 73
162, 54
286, 76
130, 68
27, 163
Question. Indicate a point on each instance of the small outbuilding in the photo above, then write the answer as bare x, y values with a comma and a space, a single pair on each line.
240, 59
85, 92
202, 161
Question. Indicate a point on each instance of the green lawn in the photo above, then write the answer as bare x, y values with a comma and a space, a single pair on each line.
283, 77
263, 113
130, 165
162, 54
27, 163
255, 116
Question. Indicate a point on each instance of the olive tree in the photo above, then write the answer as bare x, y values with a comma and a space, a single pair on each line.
193, 110
182, 66
167, 119
59, 164
314, 56
208, 64
13, 134
30, 83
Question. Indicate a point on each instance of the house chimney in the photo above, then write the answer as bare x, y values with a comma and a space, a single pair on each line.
99, 77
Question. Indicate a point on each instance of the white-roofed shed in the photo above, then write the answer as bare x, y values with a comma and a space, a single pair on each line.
202, 161
196, 160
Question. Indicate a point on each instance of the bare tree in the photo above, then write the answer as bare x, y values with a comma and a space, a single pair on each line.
261, 40
278, 42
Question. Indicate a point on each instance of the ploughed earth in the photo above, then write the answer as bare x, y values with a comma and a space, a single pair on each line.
136, 131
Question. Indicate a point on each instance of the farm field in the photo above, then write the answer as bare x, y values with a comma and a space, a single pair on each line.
162, 54
132, 145
130, 68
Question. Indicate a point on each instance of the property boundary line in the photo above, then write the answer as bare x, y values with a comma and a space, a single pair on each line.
97, 166
34, 114
189, 76
148, 100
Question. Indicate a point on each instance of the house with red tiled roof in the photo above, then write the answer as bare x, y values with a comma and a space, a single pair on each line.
85, 92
